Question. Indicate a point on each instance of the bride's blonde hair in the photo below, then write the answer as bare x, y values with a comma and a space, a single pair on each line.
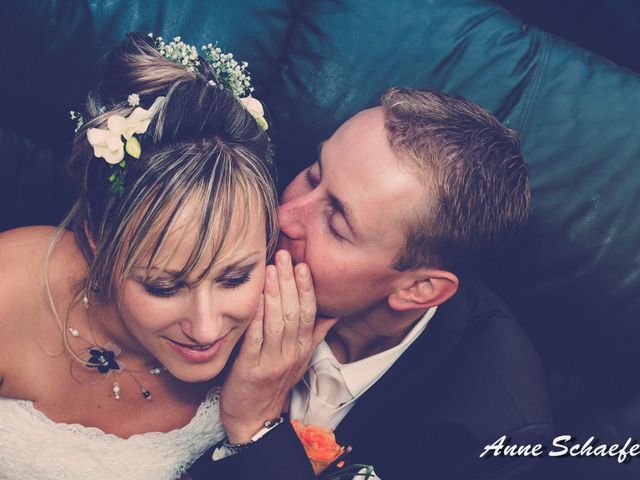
201, 145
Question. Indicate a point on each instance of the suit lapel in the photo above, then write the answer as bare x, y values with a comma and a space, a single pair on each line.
418, 364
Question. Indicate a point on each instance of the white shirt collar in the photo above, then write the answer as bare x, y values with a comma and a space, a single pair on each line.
362, 374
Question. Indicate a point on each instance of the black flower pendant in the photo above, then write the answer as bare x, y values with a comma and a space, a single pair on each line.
103, 359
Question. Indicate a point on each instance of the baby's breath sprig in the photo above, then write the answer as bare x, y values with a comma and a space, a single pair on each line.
133, 100
228, 71
178, 52
232, 73
77, 116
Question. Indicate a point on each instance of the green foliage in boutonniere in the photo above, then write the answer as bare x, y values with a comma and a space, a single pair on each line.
349, 472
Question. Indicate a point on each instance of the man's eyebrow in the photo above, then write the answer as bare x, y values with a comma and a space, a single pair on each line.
338, 204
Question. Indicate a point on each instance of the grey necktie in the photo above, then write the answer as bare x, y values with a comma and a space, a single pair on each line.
327, 392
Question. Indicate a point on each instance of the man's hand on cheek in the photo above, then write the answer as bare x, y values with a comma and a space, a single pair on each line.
275, 352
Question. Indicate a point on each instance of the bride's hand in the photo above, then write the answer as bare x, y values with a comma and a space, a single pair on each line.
275, 352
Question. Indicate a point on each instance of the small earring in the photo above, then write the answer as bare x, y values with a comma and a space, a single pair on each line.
85, 300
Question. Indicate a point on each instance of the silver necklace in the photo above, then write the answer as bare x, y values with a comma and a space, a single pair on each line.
103, 358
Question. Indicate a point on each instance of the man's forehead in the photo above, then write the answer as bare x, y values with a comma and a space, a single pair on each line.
357, 138
366, 175
367, 124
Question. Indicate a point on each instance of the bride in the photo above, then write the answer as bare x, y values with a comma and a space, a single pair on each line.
117, 327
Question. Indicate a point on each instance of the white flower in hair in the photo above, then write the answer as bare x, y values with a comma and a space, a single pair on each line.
133, 100
107, 143
139, 120
254, 107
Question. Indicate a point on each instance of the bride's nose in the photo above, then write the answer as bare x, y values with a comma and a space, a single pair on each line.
203, 322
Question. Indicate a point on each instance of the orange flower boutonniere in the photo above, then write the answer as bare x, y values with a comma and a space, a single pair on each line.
320, 445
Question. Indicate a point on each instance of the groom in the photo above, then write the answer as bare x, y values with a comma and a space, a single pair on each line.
425, 366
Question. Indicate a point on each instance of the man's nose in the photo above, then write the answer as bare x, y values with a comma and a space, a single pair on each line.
204, 324
293, 216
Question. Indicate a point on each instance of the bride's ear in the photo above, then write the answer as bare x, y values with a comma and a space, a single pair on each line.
424, 288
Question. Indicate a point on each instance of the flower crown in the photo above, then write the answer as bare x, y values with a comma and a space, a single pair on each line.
118, 138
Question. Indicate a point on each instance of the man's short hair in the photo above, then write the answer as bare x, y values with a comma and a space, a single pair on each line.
473, 168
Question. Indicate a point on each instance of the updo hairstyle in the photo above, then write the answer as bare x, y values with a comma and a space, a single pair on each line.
202, 144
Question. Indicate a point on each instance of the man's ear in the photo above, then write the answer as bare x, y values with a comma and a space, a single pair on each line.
425, 288
87, 232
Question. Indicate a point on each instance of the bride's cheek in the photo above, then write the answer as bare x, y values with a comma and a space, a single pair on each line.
245, 300
147, 311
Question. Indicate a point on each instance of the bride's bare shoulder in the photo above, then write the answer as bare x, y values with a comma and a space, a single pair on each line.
22, 252
23, 235
23, 255
20, 249
23, 302
25, 238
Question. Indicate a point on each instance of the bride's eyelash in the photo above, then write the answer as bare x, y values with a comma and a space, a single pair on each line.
162, 292
236, 281
169, 291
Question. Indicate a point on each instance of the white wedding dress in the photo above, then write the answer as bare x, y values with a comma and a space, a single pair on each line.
33, 447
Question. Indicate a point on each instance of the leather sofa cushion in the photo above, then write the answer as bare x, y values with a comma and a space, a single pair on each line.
574, 278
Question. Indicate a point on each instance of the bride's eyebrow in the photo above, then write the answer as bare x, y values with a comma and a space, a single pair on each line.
240, 264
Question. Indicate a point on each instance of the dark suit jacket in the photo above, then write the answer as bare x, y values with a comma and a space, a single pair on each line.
471, 377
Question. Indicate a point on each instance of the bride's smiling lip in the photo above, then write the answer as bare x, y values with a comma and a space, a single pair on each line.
192, 345
196, 353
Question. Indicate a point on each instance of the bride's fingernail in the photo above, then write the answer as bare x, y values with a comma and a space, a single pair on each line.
283, 258
303, 271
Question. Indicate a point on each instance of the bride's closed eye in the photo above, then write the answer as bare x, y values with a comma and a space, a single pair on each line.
234, 281
234, 276
162, 291
231, 281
